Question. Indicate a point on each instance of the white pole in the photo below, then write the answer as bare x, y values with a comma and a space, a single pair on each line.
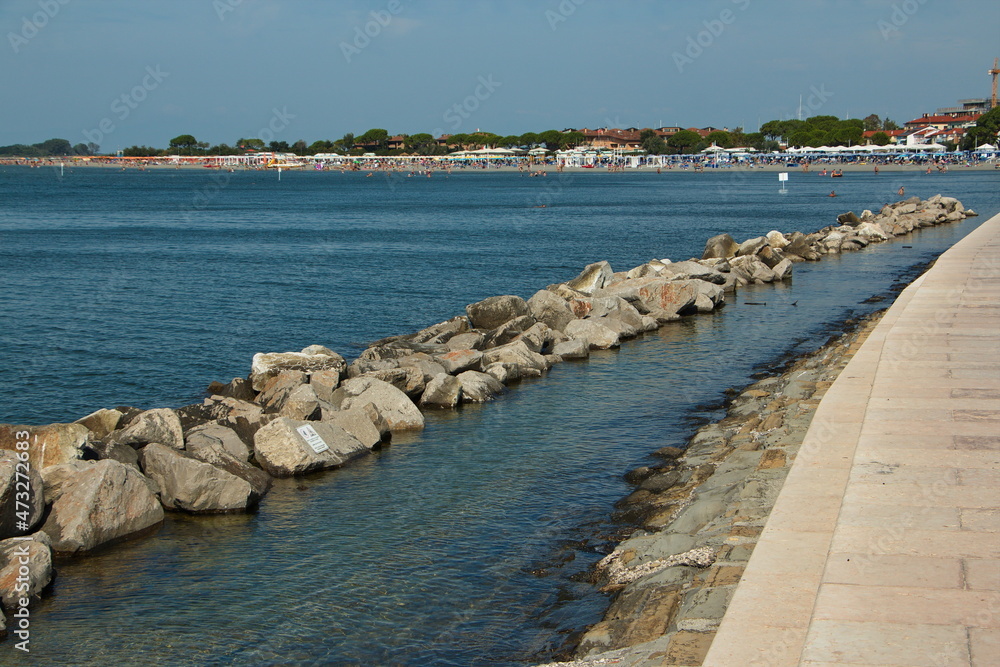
279, 173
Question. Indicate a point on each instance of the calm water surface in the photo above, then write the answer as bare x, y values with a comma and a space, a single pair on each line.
455, 546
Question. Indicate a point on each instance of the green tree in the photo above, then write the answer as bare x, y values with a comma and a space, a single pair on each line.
652, 143
872, 123
421, 143
184, 144
278, 147
300, 147
551, 138
880, 139
571, 140
720, 138
529, 140
320, 146
81, 149
141, 151
376, 137
251, 144
346, 143
889, 125
684, 141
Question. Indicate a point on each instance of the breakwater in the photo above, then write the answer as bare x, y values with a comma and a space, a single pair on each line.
158, 423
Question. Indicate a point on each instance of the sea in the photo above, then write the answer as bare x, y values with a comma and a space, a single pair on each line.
468, 543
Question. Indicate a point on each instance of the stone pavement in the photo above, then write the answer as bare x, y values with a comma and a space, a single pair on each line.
884, 545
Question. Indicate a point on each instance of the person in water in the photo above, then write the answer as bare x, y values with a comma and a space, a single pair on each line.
833, 193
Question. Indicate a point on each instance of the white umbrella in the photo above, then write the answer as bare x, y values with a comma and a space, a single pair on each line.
713, 149
986, 148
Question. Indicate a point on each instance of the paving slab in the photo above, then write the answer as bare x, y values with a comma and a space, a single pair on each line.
883, 546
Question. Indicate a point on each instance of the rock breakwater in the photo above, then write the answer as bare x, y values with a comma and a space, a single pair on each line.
112, 474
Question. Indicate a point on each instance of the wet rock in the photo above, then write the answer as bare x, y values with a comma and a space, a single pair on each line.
493, 312
19, 514
114, 451
443, 391
288, 447
552, 310
190, 484
398, 410
669, 452
751, 246
598, 335
359, 422
577, 348
516, 353
104, 501
423, 362
47, 445
268, 365
215, 434
849, 218
659, 483
25, 569
479, 387
101, 422
592, 278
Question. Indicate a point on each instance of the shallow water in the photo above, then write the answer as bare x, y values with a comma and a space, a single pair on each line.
454, 546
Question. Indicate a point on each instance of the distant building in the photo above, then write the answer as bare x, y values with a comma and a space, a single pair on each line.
895, 136
978, 105
942, 121
611, 138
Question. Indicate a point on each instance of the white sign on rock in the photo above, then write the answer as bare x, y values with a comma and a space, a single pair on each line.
312, 438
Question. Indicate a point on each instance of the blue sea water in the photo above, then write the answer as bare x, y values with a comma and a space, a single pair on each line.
457, 545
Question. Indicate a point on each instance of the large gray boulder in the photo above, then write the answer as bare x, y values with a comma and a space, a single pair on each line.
408, 379
659, 296
576, 348
691, 270
288, 447
275, 391
595, 332
25, 569
751, 246
492, 312
508, 331
721, 246
193, 485
302, 403
443, 391
102, 502
515, 353
47, 445
214, 434
424, 363
592, 278
268, 364
460, 360
365, 424
19, 513
161, 425
467, 341
236, 388
324, 383
101, 422
550, 309
397, 409
479, 387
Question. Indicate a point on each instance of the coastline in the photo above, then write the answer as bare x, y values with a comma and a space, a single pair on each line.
702, 510
140, 431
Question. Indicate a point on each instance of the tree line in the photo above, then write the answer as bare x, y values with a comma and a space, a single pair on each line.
49, 148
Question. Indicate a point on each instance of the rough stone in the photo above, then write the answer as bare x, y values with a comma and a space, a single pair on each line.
577, 348
692, 270
592, 278
359, 423
508, 331
47, 445
12, 482
276, 390
410, 380
492, 312
34, 555
443, 391
190, 484
282, 450
215, 434
597, 334
397, 409
161, 425
236, 388
515, 353
552, 310
101, 422
721, 246
324, 383
467, 341
103, 502
459, 361
268, 364
479, 387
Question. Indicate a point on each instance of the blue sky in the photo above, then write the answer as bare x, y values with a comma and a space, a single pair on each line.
148, 70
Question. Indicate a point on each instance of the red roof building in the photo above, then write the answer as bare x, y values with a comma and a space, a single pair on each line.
942, 122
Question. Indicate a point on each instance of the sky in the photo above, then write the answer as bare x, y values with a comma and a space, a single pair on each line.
124, 72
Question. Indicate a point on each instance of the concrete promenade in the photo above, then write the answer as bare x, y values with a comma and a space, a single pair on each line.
884, 545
